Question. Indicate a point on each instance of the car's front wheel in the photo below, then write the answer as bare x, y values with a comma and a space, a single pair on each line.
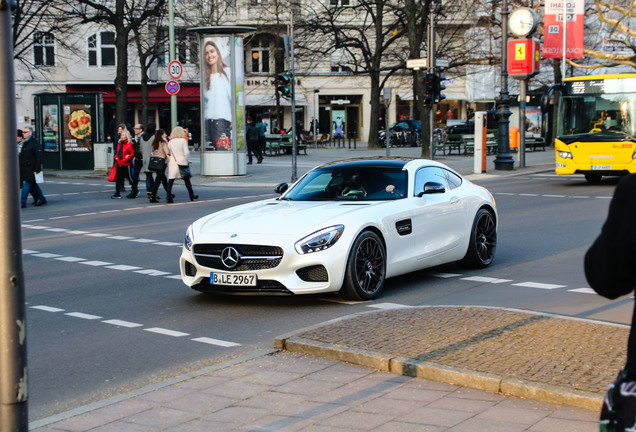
483, 241
366, 268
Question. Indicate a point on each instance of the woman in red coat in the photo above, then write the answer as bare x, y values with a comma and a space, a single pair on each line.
123, 158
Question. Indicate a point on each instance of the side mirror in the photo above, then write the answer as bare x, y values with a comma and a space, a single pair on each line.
281, 188
432, 188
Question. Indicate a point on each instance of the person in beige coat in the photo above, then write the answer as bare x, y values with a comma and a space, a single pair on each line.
179, 162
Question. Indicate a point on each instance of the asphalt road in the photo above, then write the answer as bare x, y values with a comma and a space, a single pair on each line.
107, 312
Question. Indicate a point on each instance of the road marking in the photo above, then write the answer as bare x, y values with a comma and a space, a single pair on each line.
47, 255
166, 332
121, 323
583, 290
70, 259
123, 267
444, 275
98, 235
83, 315
120, 238
152, 272
218, 342
47, 308
539, 285
95, 263
143, 240
486, 279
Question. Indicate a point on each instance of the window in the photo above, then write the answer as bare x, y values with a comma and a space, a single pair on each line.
186, 47
260, 56
43, 49
340, 61
258, 2
101, 49
339, 3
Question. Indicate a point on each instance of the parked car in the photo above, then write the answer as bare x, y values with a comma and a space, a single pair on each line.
467, 127
403, 133
344, 227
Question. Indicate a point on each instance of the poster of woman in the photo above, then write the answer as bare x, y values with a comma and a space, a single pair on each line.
217, 93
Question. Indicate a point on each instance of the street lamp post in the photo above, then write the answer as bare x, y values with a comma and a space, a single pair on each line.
504, 160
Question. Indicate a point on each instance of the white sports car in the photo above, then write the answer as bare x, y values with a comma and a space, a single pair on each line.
343, 227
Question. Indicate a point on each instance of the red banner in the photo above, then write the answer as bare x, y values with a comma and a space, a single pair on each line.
553, 29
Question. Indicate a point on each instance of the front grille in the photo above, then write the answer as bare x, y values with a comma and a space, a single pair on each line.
263, 287
251, 257
316, 273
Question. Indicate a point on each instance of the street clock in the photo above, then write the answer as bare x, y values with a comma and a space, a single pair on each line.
523, 22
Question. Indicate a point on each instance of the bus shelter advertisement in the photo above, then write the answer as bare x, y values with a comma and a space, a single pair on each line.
553, 37
77, 128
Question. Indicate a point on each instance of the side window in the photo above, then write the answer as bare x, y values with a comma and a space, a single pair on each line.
43, 49
101, 49
430, 174
452, 179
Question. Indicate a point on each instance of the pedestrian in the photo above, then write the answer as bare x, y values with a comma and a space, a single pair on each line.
610, 269
262, 130
252, 137
159, 148
30, 158
138, 161
179, 163
124, 159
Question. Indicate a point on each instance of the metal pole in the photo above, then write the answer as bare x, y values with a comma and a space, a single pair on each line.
431, 68
504, 160
173, 98
565, 39
294, 176
387, 103
315, 120
523, 85
13, 359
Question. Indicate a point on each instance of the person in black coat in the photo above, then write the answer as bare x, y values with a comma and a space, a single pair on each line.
610, 269
30, 157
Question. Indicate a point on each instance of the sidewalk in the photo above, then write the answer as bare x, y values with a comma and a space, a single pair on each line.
398, 369
427, 369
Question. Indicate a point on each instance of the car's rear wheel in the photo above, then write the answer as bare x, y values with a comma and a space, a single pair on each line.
483, 241
366, 268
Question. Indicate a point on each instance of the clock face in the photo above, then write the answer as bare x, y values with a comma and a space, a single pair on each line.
523, 22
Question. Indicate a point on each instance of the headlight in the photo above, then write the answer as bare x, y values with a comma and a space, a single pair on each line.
565, 155
189, 238
320, 240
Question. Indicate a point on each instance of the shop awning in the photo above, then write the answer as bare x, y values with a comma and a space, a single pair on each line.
270, 100
156, 93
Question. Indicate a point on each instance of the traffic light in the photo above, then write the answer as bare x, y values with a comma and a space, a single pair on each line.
429, 86
438, 95
284, 84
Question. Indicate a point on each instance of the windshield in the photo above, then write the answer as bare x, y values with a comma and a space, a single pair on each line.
359, 183
606, 117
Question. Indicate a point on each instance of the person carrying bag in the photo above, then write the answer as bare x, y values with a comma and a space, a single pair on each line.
157, 164
179, 163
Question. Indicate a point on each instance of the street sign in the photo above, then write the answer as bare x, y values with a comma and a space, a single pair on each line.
175, 69
172, 87
417, 63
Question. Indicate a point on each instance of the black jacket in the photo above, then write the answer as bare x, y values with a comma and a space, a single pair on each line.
610, 263
30, 159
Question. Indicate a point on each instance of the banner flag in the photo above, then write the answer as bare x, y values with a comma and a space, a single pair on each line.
553, 25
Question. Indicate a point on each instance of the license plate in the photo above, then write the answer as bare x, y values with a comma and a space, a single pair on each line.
232, 279
601, 167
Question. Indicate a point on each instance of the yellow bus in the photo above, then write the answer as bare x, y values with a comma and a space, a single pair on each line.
596, 126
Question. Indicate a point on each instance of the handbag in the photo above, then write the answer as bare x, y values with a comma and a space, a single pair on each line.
112, 174
184, 170
619, 406
156, 163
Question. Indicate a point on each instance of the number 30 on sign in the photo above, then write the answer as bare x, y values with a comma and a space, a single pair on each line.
175, 69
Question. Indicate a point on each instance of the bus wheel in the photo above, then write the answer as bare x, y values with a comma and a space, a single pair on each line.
593, 177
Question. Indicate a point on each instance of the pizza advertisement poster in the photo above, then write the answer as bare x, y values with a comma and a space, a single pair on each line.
78, 128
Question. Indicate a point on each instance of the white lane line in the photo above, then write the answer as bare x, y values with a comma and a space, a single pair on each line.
121, 238
387, 306
553, 196
143, 240
152, 272
59, 217
70, 259
28, 251
218, 342
528, 194
57, 229
538, 285
47, 308
96, 263
83, 315
123, 267
109, 211
486, 279
47, 255
168, 244
121, 323
78, 232
98, 235
177, 277
583, 290
166, 332
86, 214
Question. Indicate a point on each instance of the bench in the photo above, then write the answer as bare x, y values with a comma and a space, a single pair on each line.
272, 147
286, 147
453, 142
491, 144
534, 143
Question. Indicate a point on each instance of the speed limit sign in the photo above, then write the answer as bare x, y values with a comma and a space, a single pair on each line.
175, 69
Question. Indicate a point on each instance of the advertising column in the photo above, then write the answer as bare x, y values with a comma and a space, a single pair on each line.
223, 149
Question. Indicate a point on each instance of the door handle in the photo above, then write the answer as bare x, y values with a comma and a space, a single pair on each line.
454, 200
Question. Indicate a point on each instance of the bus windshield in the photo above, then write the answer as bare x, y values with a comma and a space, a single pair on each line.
602, 117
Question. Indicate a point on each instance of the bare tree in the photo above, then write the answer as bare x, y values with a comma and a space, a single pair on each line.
124, 16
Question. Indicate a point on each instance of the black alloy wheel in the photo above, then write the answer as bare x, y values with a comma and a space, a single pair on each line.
366, 268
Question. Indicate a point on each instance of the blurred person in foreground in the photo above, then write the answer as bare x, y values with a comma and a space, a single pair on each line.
610, 269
